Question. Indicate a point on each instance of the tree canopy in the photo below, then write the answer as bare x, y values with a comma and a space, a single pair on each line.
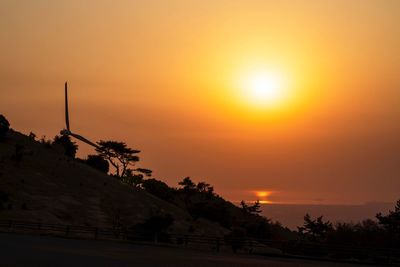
4, 125
315, 229
391, 222
252, 209
119, 155
70, 147
97, 162
187, 184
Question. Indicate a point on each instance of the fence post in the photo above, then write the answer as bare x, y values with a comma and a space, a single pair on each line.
10, 226
96, 233
217, 244
155, 237
39, 227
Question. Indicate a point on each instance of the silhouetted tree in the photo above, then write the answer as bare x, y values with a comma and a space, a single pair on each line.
32, 136
119, 155
187, 184
159, 189
98, 162
364, 233
4, 126
255, 208
391, 223
144, 171
252, 209
203, 187
131, 178
45, 142
70, 147
315, 229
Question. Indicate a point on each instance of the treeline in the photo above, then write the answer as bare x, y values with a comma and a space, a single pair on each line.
384, 232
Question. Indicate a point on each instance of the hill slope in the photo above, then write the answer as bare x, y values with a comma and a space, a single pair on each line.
44, 185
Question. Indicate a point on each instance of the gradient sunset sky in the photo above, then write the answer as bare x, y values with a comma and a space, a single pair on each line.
173, 79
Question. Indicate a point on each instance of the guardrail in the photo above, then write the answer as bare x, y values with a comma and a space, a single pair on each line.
292, 248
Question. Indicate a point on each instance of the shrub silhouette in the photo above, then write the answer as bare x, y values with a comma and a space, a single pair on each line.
211, 211
365, 233
236, 239
315, 229
187, 184
258, 227
132, 179
155, 227
98, 162
391, 224
159, 189
384, 233
145, 172
46, 143
4, 126
70, 147
32, 136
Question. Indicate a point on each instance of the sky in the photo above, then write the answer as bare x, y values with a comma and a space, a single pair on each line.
178, 80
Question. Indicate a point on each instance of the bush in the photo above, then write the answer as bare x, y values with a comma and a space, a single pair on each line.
65, 142
258, 227
154, 227
236, 239
131, 178
159, 189
98, 162
32, 136
4, 126
46, 143
212, 211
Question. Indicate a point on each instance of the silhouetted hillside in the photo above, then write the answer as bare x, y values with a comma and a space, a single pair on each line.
39, 183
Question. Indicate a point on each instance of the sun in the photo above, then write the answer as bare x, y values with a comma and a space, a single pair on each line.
263, 89
263, 196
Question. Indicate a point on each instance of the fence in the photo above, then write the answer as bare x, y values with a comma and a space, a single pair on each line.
293, 248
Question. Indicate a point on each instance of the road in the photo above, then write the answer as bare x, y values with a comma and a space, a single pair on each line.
24, 250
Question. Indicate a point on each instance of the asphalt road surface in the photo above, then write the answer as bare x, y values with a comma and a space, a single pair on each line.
24, 250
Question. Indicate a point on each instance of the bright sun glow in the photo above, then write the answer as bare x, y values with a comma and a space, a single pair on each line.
263, 196
262, 193
264, 89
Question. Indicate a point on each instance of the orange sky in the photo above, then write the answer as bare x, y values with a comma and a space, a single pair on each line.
163, 76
